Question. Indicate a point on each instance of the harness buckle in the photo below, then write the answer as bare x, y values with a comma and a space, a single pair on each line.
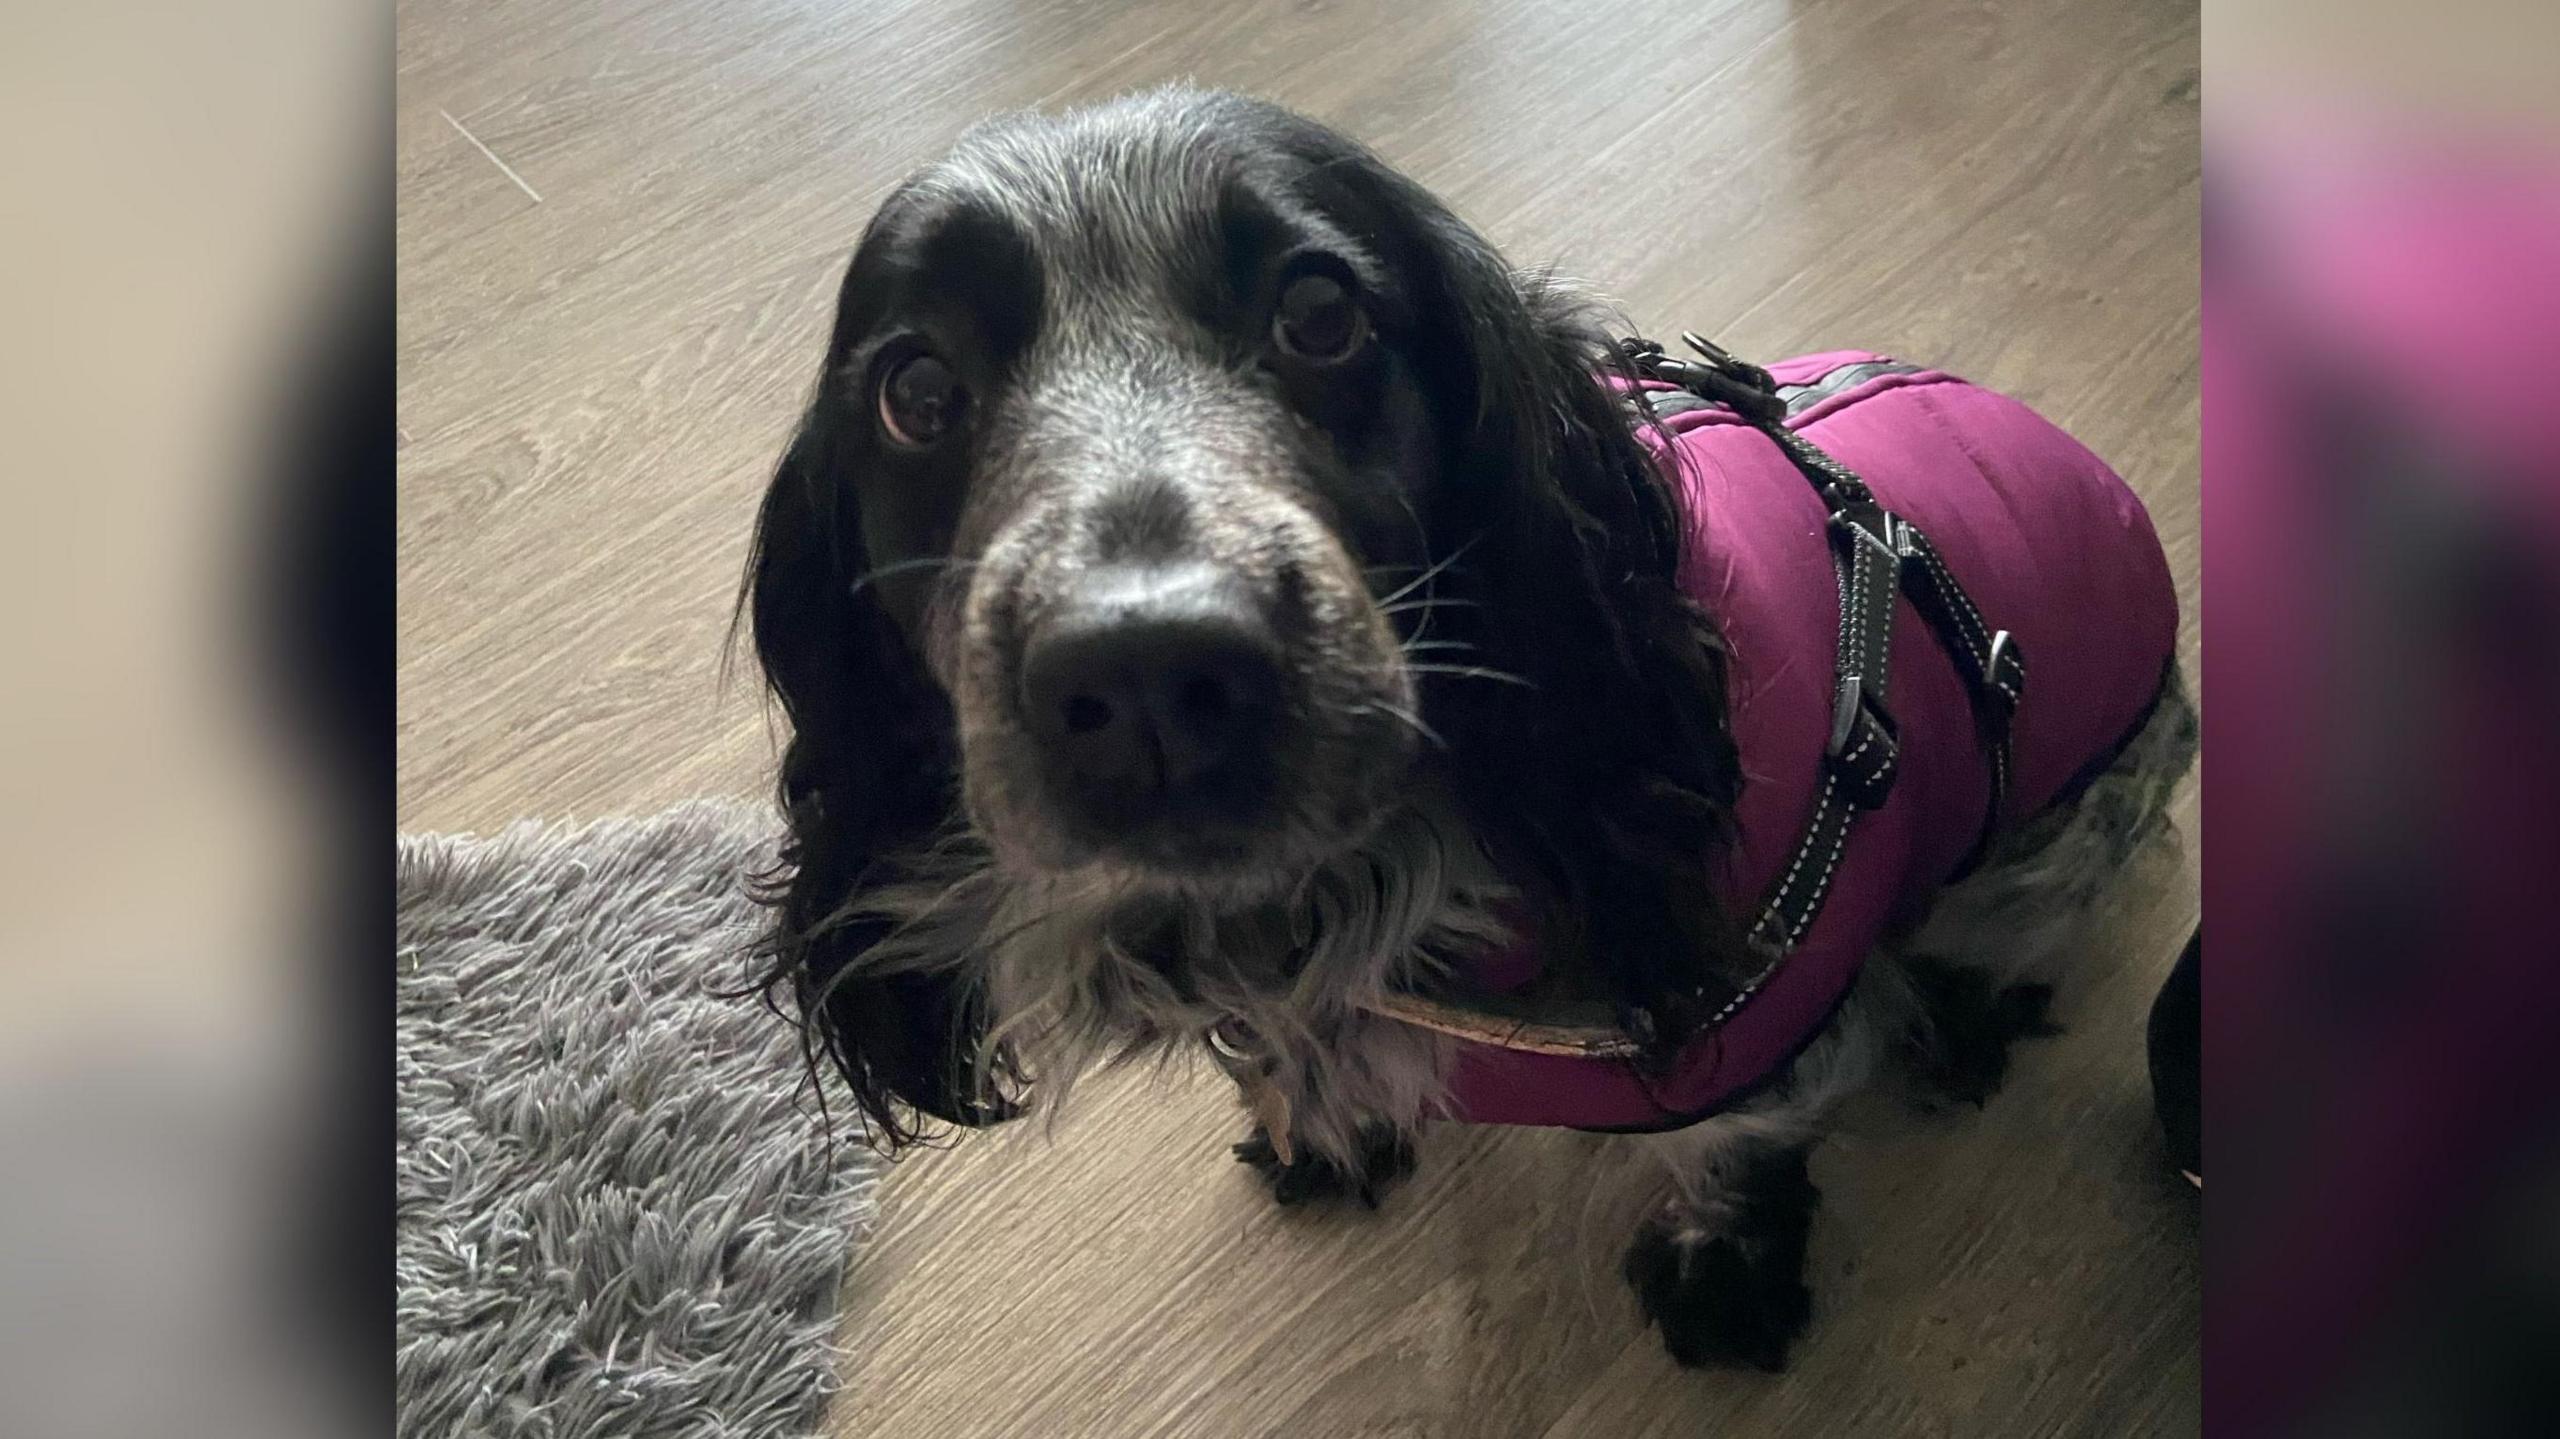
1865, 746
1741, 371
1740, 386
1865, 521
2006, 670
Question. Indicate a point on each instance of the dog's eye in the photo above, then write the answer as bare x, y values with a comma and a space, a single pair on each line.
921, 401
1318, 320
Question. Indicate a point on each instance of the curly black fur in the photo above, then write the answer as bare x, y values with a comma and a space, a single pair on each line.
870, 772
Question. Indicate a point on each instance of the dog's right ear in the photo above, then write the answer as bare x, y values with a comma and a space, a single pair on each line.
871, 772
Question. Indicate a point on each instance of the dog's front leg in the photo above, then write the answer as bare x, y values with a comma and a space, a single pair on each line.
1383, 1156
1720, 1264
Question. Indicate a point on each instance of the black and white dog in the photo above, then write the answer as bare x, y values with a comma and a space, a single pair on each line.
1210, 588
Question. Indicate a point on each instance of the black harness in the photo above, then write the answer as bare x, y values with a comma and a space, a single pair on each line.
1875, 553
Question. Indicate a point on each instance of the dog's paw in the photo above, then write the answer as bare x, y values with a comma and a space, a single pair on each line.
1965, 1053
1719, 1301
1385, 1157
1732, 1295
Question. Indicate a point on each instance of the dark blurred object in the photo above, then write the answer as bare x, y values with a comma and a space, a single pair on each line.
322, 563
2176, 1042
2381, 493
321, 577
161, 1045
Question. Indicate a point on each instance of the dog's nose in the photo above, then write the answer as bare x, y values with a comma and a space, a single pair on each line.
1147, 683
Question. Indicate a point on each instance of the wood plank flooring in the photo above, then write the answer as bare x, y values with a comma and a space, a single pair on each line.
602, 353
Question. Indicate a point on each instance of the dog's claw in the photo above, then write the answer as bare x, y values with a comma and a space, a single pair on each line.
1385, 1157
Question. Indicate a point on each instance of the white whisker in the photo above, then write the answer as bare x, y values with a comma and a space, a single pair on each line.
1472, 672
904, 566
1418, 581
1414, 721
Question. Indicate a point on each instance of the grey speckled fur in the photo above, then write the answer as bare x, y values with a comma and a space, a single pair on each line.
619, 1211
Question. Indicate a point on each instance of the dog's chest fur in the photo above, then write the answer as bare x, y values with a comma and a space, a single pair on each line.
1093, 968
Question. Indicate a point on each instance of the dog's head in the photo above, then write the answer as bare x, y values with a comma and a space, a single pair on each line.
1134, 406
1181, 480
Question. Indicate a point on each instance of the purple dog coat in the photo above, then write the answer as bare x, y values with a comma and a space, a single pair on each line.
2050, 544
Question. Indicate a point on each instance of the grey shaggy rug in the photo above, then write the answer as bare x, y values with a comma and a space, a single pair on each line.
619, 1212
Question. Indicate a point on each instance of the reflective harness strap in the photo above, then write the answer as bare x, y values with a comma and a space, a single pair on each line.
1875, 553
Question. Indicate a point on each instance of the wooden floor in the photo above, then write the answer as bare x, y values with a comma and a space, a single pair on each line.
621, 223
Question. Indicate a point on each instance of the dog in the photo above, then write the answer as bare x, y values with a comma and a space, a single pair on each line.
1220, 607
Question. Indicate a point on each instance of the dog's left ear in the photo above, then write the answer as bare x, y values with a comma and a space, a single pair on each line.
1613, 773
871, 773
